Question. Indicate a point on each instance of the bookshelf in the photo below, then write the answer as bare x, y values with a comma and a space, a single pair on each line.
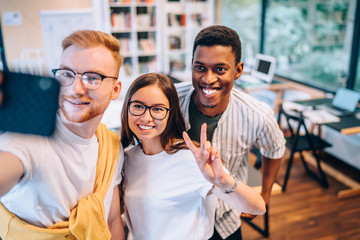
157, 35
135, 23
181, 21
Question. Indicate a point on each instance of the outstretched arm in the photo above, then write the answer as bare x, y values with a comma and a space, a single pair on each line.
11, 170
244, 198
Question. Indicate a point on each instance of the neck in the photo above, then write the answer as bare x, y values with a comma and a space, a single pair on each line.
210, 111
83, 129
151, 148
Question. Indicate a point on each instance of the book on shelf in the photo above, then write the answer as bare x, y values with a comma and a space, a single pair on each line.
127, 68
196, 19
146, 17
177, 63
120, 1
147, 64
125, 45
146, 1
175, 42
147, 45
176, 19
120, 20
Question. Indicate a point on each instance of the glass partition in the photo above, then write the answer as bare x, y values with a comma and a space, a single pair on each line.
311, 40
357, 77
245, 18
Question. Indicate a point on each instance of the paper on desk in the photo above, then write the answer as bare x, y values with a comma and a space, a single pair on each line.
320, 116
289, 105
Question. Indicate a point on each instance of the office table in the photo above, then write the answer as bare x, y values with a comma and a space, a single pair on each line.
347, 125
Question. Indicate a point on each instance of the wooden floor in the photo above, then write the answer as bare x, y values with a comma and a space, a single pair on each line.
307, 211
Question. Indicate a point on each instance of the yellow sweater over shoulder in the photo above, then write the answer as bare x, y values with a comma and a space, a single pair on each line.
87, 220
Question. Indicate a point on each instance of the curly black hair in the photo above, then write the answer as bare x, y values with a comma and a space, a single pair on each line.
219, 35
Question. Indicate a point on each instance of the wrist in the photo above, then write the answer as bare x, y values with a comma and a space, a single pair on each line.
232, 187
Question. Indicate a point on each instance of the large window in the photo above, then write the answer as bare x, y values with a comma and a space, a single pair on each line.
245, 18
357, 78
311, 40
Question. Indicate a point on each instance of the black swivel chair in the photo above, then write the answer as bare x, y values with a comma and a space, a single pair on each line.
298, 142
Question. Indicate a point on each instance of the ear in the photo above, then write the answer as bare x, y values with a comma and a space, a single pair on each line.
116, 90
239, 70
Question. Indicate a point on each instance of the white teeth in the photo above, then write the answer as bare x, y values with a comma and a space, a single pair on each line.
145, 127
208, 91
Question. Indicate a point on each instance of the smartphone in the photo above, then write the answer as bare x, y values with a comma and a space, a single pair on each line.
29, 103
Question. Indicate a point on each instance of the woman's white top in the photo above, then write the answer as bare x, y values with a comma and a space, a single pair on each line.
166, 196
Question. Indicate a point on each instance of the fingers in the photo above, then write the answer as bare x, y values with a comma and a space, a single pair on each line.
216, 161
189, 143
204, 144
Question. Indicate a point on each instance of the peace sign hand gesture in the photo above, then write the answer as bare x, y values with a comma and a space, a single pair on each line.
207, 158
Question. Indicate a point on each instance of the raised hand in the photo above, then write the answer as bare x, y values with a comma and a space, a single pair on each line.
244, 198
207, 157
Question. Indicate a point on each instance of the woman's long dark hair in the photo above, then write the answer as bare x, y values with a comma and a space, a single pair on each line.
171, 138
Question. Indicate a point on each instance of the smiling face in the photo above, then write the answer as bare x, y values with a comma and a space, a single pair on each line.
214, 71
146, 128
77, 103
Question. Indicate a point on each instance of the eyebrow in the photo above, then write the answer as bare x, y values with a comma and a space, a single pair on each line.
154, 105
88, 71
216, 65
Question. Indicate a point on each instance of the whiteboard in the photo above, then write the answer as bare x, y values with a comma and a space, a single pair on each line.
56, 25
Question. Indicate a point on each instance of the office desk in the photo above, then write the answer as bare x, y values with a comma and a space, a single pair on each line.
347, 125
278, 87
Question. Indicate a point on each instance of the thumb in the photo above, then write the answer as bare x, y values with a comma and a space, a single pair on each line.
216, 160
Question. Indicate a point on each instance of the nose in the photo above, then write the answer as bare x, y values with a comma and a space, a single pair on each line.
147, 115
78, 86
209, 77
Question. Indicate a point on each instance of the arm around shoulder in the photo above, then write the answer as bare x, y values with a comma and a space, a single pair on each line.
11, 170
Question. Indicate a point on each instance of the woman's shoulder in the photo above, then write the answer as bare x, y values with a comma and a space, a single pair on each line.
131, 150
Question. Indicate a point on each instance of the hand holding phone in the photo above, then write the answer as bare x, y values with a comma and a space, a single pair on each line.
29, 103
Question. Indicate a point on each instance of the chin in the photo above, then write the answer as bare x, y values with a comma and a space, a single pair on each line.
75, 118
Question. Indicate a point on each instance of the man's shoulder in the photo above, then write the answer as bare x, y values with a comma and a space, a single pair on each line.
242, 101
183, 88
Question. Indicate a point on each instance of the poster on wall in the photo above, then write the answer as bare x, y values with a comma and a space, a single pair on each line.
56, 25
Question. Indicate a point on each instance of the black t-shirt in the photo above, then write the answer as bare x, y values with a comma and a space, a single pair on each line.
197, 119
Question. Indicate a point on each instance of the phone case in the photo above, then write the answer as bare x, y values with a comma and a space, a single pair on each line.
29, 104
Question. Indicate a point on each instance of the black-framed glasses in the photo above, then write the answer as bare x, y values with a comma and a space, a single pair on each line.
90, 80
156, 112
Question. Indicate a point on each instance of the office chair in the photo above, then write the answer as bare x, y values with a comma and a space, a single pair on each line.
298, 142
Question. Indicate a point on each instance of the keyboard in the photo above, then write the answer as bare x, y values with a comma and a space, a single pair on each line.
332, 110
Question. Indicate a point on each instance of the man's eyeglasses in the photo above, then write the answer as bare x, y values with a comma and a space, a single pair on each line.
156, 112
90, 80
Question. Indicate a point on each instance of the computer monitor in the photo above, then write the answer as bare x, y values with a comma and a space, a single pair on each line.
264, 67
346, 99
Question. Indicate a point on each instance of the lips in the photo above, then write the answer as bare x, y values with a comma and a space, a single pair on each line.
145, 127
77, 102
209, 91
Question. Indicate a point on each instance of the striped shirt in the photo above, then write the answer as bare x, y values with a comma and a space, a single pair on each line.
245, 122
